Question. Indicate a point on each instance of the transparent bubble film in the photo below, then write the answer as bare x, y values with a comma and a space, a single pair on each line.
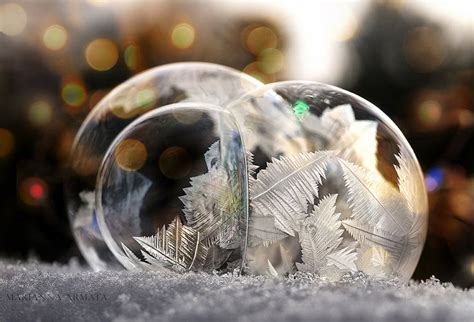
180, 82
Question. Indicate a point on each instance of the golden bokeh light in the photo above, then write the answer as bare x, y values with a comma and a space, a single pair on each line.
183, 35
55, 37
254, 70
131, 155
430, 112
271, 60
12, 19
101, 54
40, 113
74, 94
175, 162
7, 142
261, 38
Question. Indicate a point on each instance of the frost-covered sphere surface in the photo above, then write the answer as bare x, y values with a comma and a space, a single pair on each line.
173, 194
181, 82
333, 186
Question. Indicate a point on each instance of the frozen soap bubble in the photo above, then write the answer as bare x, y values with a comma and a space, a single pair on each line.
334, 186
173, 194
181, 82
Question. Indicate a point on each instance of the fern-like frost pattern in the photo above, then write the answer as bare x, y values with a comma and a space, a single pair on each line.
370, 224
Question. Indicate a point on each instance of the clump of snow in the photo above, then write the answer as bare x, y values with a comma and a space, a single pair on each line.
40, 292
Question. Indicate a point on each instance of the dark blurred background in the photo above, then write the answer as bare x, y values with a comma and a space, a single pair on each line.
413, 59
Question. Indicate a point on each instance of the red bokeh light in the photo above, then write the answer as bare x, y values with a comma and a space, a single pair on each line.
33, 191
37, 191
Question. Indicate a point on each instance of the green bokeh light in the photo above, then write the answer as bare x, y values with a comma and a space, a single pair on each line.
301, 109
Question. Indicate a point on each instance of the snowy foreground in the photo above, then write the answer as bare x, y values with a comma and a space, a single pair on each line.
38, 292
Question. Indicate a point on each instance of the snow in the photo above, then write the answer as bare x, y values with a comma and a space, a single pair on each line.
42, 292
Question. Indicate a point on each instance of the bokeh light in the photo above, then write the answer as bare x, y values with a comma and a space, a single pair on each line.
300, 109
254, 69
36, 191
261, 38
7, 142
183, 35
74, 94
12, 19
175, 162
40, 113
434, 179
429, 112
55, 37
130, 56
271, 60
101, 54
33, 191
131, 155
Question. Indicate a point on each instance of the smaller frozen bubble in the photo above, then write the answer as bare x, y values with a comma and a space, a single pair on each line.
174, 195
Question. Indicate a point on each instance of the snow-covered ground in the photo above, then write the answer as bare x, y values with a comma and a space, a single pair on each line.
40, 292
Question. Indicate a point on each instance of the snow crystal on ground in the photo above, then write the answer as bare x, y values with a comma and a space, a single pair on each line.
40, 292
